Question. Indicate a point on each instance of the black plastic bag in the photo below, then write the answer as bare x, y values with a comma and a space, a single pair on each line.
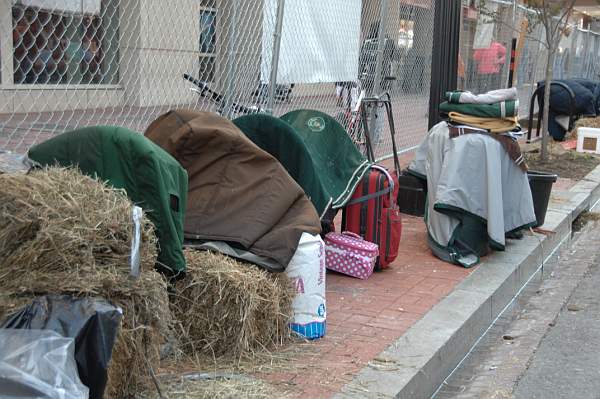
92, 322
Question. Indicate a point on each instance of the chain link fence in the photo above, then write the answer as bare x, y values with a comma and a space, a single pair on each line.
65, 64
486, 40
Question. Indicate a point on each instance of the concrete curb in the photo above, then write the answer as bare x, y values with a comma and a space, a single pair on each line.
420, 360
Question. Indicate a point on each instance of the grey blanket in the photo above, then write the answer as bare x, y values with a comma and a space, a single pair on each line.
471, 175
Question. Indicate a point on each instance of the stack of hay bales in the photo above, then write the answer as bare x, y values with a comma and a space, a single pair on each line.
65, 233
227, 308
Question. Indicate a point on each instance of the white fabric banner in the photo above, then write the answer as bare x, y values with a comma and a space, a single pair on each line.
75, 6
320, 41
484, 32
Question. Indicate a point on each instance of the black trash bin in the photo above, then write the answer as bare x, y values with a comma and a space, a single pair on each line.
412, 194
541, 187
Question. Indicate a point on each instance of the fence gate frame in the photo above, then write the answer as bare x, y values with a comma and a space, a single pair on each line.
444, 66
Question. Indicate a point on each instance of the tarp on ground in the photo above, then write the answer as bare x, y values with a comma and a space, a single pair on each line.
280, 139
476, 194
125, 159
337, 161
38, 364
14, 163
239, 195
92, 322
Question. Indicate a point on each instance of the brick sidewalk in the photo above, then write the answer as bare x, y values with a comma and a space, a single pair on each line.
20, 131
364, 317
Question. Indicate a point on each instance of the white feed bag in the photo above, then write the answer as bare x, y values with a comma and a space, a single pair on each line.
307, 272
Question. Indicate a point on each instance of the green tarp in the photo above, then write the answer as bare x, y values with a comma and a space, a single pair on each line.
125, 159
314, 149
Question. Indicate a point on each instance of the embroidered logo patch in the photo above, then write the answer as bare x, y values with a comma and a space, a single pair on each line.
316, 124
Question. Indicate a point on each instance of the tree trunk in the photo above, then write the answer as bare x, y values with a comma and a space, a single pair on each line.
546, 100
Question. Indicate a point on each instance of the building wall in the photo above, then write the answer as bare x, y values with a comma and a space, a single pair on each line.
129, 50
168, 48
159, 42
156, 43
20, 98
239, 46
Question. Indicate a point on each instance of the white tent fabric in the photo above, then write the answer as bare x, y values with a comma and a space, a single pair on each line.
320, 41
75, 6
484, 32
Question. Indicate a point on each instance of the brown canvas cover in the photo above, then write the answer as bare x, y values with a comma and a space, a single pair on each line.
238, 193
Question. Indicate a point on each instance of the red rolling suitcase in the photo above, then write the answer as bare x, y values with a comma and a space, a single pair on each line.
373, 212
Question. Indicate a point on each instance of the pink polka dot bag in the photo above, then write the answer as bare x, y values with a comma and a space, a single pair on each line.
348, 253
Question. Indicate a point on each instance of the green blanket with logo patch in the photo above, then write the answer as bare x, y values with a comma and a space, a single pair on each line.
314, 149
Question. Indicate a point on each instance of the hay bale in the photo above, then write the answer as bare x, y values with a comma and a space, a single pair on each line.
65, 233
587, 122
227, 308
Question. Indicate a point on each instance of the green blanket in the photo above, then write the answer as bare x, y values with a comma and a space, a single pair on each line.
315, 150
280, 140
336, 159
125, 159
503, 109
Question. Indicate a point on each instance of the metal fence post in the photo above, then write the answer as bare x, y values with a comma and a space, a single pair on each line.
534, 74
585, 72
6, 43
230, 70
275, 56
593, 55
513, 49
444, 66
569, 73
514, 13
383, 11
375, 88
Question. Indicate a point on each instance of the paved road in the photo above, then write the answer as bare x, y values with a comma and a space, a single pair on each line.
547, 345
567, 363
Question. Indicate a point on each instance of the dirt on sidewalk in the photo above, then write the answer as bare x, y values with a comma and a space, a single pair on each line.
565, 163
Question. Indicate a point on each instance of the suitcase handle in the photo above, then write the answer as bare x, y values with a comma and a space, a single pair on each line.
376, 194
390, 180
351, 234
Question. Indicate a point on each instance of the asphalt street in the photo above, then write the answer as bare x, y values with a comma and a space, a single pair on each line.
547, 344
567, 362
